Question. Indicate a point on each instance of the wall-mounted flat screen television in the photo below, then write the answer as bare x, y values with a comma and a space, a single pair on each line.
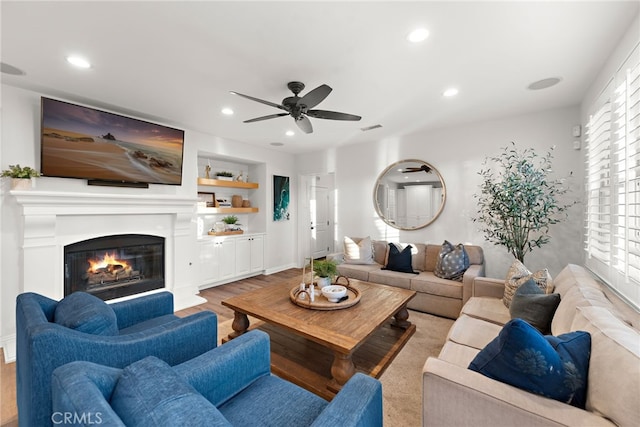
86, 143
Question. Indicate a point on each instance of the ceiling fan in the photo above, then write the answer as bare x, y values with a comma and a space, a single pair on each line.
300, 108
425, 168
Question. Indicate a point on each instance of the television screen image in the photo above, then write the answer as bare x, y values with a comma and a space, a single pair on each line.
82, 142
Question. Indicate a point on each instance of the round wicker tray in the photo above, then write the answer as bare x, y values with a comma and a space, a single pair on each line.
321, 303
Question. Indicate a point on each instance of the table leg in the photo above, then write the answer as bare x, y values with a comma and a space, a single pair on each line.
240, 324
400, 318
341, 370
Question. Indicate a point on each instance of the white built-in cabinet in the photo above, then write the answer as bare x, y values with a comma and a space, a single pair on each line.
227, 258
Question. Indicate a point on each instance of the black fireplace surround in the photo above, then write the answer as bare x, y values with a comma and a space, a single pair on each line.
114, 266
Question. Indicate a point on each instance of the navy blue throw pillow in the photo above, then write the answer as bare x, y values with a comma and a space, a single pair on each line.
399, 260
555, 367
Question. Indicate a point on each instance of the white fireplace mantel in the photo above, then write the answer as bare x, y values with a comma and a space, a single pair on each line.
54, 219
65, 203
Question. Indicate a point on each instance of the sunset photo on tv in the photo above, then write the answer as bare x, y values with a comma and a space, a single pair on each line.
82, 142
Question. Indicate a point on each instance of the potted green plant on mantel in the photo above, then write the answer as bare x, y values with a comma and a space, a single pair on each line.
21, 177
518, 201
224, 176
231, 221
326, 270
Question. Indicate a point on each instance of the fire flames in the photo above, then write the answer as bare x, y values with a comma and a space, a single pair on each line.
108, 263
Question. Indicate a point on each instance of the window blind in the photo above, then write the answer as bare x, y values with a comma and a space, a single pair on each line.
598, 211
626, 146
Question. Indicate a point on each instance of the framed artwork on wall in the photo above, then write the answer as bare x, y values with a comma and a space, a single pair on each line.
281, 198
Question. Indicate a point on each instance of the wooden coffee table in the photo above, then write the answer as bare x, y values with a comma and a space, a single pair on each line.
320, 350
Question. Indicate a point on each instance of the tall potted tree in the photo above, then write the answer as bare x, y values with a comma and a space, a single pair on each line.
518, 201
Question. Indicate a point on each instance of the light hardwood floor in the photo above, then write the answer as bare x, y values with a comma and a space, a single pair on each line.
214, 296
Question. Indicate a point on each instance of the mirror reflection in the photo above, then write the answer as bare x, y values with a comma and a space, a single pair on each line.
409, 194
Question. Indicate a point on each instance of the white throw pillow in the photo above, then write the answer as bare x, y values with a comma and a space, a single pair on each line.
358, 251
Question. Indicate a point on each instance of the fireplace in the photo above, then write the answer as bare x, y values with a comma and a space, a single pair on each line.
115, 266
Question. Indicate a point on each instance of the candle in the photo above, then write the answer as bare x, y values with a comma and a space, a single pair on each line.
311, 269
304, 266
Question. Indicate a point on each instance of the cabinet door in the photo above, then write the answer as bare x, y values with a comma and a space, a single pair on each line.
208, 267
257, 253
243, 255
226, 254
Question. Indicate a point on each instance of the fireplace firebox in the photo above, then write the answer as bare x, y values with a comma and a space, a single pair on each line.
114, 266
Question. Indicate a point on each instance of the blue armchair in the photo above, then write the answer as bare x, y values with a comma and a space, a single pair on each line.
229, 386
82, 327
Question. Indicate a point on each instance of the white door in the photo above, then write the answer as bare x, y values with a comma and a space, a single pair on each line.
319, 214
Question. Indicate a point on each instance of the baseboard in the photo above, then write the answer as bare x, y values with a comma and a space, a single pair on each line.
8, 344
280, 268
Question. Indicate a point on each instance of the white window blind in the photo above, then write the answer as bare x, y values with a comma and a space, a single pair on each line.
598, 213
612, 215
626, 146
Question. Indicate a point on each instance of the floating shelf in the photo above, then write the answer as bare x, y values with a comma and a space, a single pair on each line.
229, 184
227, 210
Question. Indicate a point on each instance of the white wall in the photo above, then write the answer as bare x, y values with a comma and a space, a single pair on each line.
457, 153
20, 143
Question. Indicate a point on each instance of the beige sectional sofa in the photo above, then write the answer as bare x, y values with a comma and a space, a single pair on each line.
456, 396
434, 295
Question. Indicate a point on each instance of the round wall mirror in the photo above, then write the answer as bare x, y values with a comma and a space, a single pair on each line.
409, 194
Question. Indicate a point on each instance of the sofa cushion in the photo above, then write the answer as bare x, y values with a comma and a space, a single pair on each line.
358, 250
487, 308
358, 271
535, 307
614, 369
391, 278
473, 332
577, 296
453, 261
427, 282
518, 274
86, 313
150, 393
399, 259
573, 275
555, 367
458, 354
380, 249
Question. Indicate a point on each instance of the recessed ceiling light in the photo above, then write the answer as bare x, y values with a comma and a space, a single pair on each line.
227, 111
277, 144
418, 35
289, 133
544, 83
452, 91
78, 62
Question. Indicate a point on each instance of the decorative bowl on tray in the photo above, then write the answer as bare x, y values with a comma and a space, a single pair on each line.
334, 292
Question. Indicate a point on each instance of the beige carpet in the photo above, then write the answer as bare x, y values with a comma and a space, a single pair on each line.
402, 381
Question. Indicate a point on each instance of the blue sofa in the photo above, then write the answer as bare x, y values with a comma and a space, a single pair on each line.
231, 385
143, 326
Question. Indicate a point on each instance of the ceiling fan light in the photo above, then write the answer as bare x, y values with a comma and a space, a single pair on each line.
227, 111
289, 133
418, 35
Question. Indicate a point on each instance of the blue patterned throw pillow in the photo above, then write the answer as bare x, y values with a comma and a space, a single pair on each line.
452, 262
555, 367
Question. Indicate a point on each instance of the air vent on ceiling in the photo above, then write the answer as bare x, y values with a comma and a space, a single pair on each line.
370, 128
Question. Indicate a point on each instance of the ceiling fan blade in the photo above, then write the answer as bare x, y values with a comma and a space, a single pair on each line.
304, 124
270, 116
315, 97
332, 115
262, 101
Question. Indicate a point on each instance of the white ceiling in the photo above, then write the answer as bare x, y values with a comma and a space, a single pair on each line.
175, 62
